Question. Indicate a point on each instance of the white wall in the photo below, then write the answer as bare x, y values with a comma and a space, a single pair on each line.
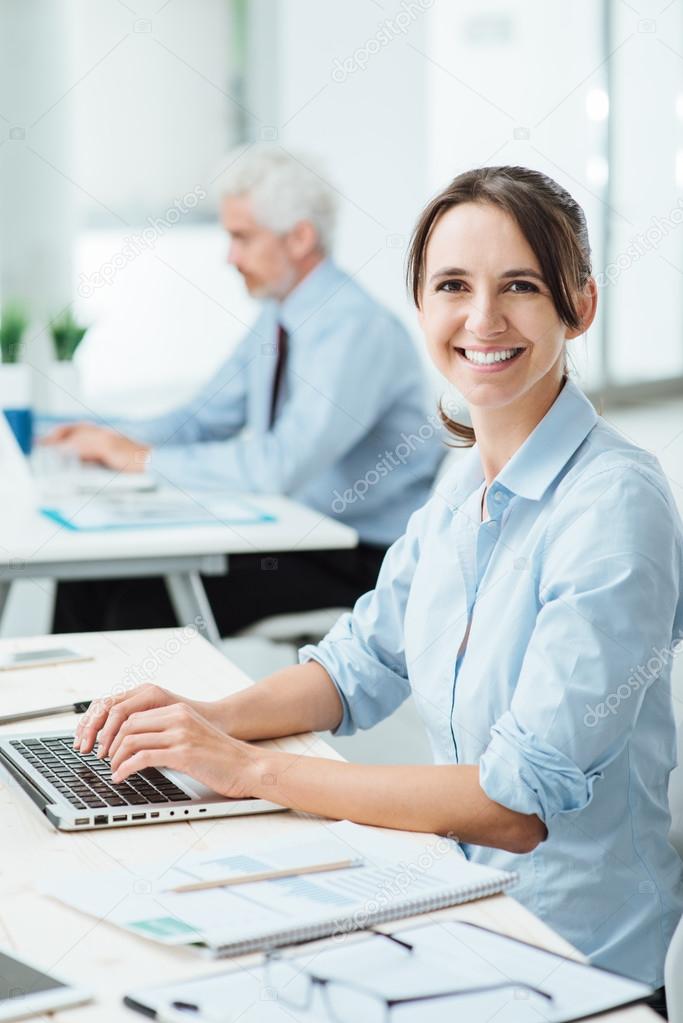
369, 132
38, 208
162, 323
157, 106
366, 124
646, 294
111, 115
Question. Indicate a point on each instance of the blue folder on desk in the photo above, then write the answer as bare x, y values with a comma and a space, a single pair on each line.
156, 510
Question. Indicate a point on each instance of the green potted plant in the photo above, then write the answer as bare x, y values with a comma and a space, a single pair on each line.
15, 378
60, 388
67, 335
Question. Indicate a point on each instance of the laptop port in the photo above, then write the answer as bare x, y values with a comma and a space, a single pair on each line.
119, 817
82, 820
101, 818
138, 816
154, 813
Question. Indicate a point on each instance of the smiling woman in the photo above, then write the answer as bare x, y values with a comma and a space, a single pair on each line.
546, 566
546, 229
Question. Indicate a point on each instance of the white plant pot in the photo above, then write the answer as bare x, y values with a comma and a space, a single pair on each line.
15, 386
58, 391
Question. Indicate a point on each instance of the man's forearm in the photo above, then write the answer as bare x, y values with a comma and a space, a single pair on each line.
298, 699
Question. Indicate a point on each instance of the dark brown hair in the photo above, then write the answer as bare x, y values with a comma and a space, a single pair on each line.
551, 221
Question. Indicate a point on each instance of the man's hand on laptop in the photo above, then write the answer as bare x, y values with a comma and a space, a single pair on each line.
101, 445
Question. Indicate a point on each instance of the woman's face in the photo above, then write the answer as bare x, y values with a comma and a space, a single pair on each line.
488, 317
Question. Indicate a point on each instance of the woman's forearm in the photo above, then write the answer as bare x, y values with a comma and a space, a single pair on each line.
444, 799
302, 698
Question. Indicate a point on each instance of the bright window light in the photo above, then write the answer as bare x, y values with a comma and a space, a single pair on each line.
597, 104
597, 170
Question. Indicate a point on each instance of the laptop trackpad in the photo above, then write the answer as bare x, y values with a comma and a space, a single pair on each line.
195, 788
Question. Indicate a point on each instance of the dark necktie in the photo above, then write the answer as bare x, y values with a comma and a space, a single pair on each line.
282, 338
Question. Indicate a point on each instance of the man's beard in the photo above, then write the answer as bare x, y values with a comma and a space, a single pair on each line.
274, 289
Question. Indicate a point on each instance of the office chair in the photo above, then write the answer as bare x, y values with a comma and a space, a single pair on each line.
673, 976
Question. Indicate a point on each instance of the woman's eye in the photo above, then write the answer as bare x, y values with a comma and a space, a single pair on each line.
522, 287
451, 286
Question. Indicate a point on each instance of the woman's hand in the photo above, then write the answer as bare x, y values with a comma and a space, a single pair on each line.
178, 737
107, 715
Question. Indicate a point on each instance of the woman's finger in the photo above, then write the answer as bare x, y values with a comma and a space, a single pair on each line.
143, 759
118, 714
152, 719
91, 722
133, 744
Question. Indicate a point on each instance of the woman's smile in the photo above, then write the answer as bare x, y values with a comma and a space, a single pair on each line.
489, 358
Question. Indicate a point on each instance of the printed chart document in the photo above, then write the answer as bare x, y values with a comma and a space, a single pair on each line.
161, 508
494, 978
398, 878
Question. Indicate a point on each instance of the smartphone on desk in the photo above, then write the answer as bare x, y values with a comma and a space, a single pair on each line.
41, 658
26, 991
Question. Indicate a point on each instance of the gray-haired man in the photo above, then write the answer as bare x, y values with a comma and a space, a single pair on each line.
324, 400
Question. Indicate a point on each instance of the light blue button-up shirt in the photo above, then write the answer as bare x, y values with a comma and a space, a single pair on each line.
562, 694
355, 436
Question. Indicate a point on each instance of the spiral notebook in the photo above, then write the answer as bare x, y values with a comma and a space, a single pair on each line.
401, 875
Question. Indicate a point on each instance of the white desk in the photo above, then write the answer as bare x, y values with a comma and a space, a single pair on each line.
108, 960
33, 547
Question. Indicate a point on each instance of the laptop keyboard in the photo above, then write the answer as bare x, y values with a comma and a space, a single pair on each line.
85, 781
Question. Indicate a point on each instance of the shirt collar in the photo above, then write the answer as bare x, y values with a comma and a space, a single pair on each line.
309, 295
544, 453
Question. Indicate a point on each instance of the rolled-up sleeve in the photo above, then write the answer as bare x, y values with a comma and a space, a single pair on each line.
608, 594
364, 653
528, 775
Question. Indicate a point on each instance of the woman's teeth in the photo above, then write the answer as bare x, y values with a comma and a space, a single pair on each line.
485, 358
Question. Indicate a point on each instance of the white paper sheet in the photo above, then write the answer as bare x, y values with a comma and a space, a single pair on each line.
446, 956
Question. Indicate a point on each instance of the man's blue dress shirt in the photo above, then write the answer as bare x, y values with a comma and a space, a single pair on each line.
355, 436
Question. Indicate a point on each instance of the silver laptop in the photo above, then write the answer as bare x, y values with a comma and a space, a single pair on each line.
75, 791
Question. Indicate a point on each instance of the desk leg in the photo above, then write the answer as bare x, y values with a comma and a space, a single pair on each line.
4, 594
191, 604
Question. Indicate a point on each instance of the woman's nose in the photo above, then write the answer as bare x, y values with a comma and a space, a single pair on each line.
485, 319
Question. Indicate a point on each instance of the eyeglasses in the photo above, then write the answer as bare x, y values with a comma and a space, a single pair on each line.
348, 1002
